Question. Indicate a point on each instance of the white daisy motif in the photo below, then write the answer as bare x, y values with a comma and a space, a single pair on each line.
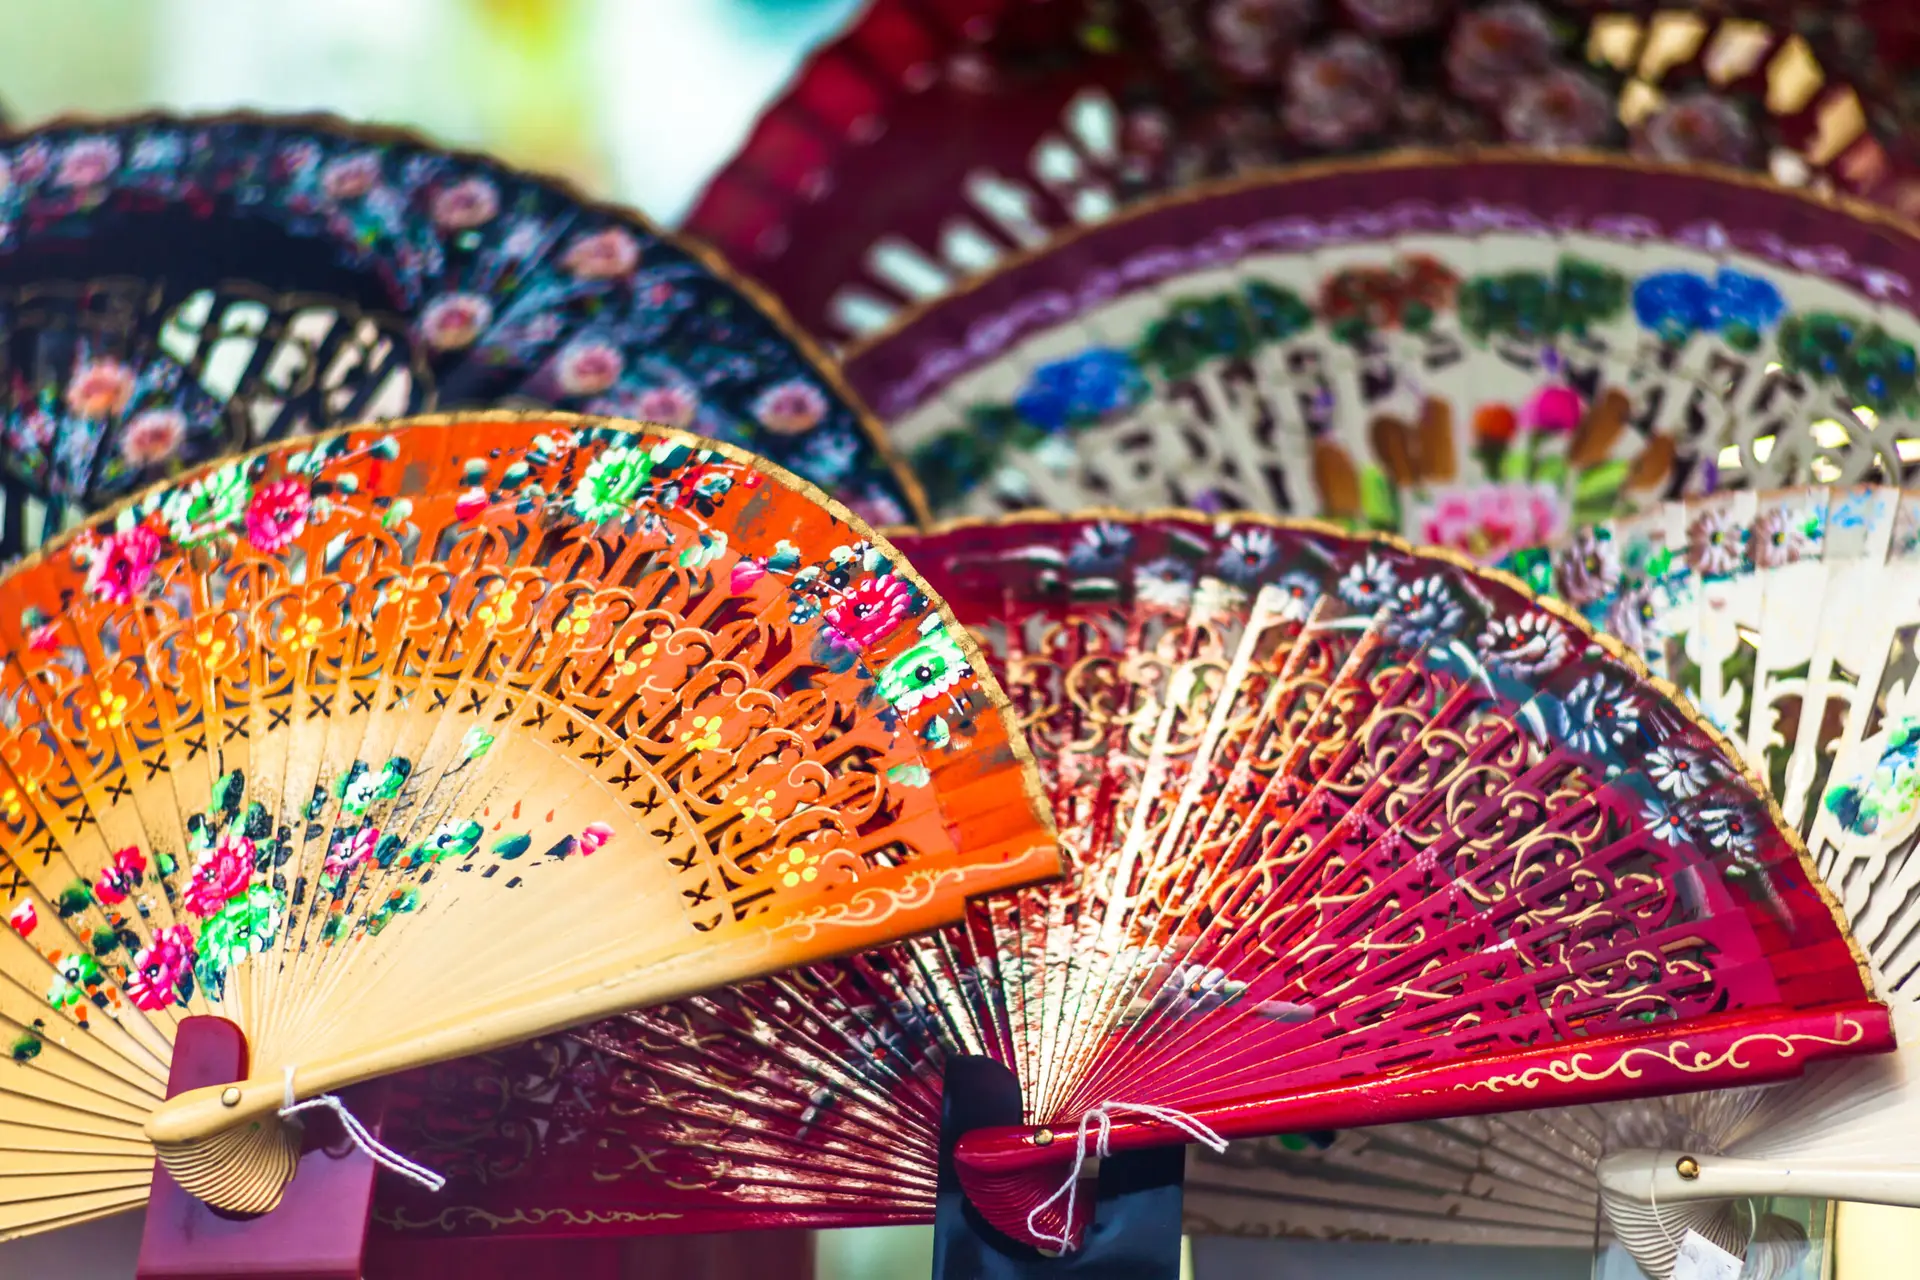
1423, 611
1663, 823
1296, 592
1731, 831
1715, 542
1781, 537
1632, 619
1589, 570
1369, 584
1523, 645
1599, 715
1679, 772
1163, 584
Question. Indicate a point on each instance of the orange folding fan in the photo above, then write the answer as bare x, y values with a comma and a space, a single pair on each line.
418, 739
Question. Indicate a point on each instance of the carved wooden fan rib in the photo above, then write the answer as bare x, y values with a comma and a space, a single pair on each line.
1358, 833
416, 740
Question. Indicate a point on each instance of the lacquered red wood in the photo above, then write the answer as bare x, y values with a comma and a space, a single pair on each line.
1006, 1172
759, 1255
319, 1230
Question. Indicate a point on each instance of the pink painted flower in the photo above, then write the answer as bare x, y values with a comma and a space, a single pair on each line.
466, 204
603, 255
1488, 522
24, 918
6, 175
115, 882
1696, 127
100, 389
87, 162
123, 565
668, 406
587, 367
152, 437
298, 157
157, 969
1493, 50
277, 514
350, 177
745, 574
594, 837
790, 408
1340, 92
220, 876
44, 638
355, 850
455, 320
1554, 409
470, 503
1563, 108
33, 161
872, 611
1390, 18
1249, 36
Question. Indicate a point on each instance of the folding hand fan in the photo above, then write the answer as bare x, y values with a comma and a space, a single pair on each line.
1474, 354
421, 739
937, 136
174, 288
1789, 618
1359, 833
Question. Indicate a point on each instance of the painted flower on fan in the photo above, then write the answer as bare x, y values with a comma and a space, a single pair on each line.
1523, 645
23, 918
800, 866
1424, 610
301, 630
1249, 553
1734, 830
1099, 546
1674, 304
707, 546
587, 367
1340, 92
1696, 127
1080, 389
468, 203
872, 611
121, 877
500, 606
221, 874
1247, 34
350, 177
1369, 584
1493, 50
602, 255
1782, 536
1554, 410
1589, 570
576, 621
672, 406
87, 162
702, 733
73, 974
1296, 592
159, 967
277, 514
349, 849
454, 321
152, 437
612, 484
1390, 18
1634, 618
752, 806
1563, 108
207, 507
593, 838
1680, 772
245, 926
1663, 822
100, 389
1164, 584
1716, 543
123, 565
926, 671
746, 571
790, 408
1599, 715
1490, 522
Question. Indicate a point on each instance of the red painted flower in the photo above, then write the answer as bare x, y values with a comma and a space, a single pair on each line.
594, 837
277, 514
123, 565
355, 850
100, 388
470, 503
155, 981
220, 876
120, 879
872, 611
745, 574
24, 919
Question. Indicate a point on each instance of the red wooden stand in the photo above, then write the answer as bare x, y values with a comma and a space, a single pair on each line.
319, 1231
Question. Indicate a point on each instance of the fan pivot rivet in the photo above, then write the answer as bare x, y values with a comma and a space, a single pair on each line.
1043, 1138
1687, 1167
230, 1096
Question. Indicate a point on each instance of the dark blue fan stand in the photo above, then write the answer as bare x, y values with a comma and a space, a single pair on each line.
1135, 1234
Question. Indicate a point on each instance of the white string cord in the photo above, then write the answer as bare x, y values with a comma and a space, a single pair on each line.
384, 1156
1100, 1119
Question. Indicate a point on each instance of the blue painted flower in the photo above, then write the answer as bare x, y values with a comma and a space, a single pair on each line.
1744, 306
1674, 304
1100, 546
1081, 389
1598, 715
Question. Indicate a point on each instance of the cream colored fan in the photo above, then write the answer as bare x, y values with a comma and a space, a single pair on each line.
1791, 618
425, 738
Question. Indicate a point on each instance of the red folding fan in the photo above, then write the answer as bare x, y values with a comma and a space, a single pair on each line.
1359, 833
936, 136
